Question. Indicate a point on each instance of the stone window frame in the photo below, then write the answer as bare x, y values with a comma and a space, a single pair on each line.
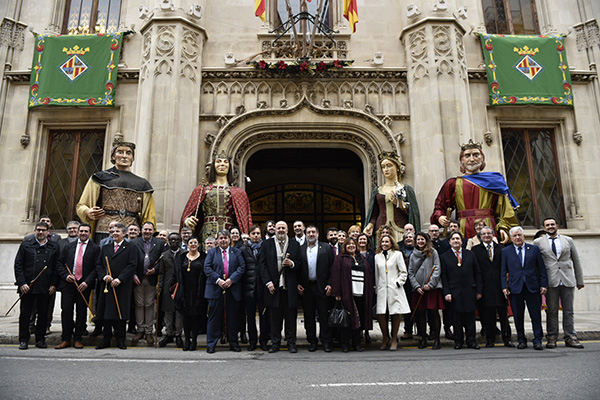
506, 5
93, 17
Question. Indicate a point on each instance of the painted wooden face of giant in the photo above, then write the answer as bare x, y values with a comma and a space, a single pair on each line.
389, 169
472, 160
222, 166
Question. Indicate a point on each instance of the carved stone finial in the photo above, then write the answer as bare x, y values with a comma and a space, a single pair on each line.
25, 139
577, 138
400, 137
369, 109
440, 5
195, 11
239, 110
209, 138
326, 103
387, 120
412, 11
348, 104
261, 105
167, 5
461, 12
222, 121
144, 12
283, 103
487, 136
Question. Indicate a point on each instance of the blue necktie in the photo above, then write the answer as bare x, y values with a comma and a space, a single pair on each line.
554, 246
520, 254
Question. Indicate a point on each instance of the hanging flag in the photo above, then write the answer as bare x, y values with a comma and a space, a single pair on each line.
260, 9
75, 70
527, 69
351, 13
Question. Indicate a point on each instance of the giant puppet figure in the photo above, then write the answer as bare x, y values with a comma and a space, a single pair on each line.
218, 205
476, 195
117, 194
393, 203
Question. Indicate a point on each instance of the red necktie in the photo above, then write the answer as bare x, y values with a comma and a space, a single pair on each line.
79, 262
459, 259
116, 247
225, 264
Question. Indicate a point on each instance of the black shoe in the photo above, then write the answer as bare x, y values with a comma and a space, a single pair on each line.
274, 348
436, 344
538, 346
312, 347
292, 348
508, 343
327, 348
473, 346
23, 346
41, 344
210, 350
345, 347
358, 347
194, 343
264, 347
252, 347
449, 335
367, 337
243, 338
166, 340
103, 345
121, 344
178, 342
423, 342
522, 346
236, 349
490, 344
458, 346
186, 344
132, 329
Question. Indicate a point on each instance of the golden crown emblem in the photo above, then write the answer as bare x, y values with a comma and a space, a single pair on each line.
223, 156
470, 145
526, 50
76, 50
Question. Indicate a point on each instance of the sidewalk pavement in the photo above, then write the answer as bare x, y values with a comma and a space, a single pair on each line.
587, 324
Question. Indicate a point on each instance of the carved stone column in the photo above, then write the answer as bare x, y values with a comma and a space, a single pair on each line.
440, 104
167, 115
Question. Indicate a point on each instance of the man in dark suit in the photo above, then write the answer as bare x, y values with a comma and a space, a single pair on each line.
489, 258
149, 251
315, 271
462, 287
173, 320
114, 304
224, 268
527, 282
32, 257
75, 284
278, 261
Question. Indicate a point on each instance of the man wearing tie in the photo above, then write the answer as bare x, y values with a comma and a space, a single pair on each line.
224, 268
277, 262
77, 278
314, 287
564, 270
527, 282
489, 258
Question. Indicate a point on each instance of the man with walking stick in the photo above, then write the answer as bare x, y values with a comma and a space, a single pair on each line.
77, 278
35, 263
224, 268
115, 267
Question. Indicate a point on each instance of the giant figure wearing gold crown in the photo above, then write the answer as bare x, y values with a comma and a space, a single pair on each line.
394, 203
476, 195
116, 194
218, 205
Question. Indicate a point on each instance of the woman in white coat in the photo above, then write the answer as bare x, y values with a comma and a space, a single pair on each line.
390, 275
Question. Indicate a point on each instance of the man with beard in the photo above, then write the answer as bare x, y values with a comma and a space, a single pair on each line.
314, 287
173, 320
269, 231
476, 195
299, 232
278, 262
333, 240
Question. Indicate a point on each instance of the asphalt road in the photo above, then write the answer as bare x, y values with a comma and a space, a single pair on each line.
143, 373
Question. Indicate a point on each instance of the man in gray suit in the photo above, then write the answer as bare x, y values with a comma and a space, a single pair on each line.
563, 267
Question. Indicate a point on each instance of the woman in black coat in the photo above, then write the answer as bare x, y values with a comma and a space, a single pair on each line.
462, 286
188, 284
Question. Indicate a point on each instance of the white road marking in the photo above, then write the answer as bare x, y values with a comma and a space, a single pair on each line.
113, 360
452, 382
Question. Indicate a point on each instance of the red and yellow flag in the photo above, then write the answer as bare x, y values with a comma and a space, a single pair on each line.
259, 9
350, 13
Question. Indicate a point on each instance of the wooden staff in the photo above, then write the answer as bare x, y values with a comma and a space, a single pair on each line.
278, 279
77, 285
30, 285
420, 297
157, 309
507, 304
225, 309
113, 288
448, 215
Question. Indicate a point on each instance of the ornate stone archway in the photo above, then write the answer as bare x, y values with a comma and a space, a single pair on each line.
306, 124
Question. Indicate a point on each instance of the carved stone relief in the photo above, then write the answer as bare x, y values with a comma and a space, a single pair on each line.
587, 34
12, 33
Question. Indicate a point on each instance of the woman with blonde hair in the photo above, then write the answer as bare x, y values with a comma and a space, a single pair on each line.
354, 231
390, 275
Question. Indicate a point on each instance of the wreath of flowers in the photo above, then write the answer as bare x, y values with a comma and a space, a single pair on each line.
301, 66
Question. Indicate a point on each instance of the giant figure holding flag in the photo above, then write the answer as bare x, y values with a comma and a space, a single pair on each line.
476, 195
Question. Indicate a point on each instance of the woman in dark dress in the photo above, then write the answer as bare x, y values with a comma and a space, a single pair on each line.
365, 249
188, 284
352, 284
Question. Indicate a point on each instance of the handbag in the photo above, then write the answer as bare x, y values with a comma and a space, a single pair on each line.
339, 317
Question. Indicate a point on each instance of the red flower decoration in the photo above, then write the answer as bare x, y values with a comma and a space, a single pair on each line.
321, 66
282, 65
560, 47
512, 99
337, 64
489, 46
34, 88
555, 100
114, 46
262, 64
45, 100
40, 47
109, 87
495, 86
567, 87
92, 101
304, 66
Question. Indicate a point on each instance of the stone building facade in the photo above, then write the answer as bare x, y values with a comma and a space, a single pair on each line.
303, 145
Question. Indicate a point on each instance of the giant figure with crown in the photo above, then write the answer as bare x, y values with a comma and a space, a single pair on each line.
476, 195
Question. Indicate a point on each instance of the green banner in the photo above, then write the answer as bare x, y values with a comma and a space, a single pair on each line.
75, 70
527, 69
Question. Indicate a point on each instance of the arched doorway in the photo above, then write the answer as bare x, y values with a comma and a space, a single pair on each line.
320, 186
